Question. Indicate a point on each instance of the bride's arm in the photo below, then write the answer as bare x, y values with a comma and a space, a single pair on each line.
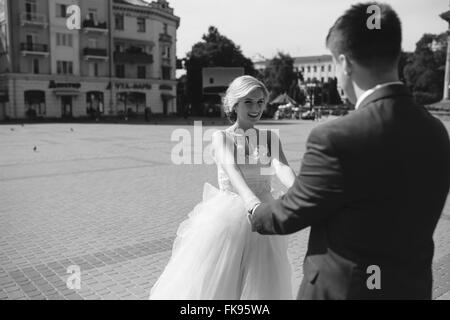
280, 163
224, 154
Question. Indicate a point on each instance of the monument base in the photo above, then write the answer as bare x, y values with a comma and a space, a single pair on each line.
442, 106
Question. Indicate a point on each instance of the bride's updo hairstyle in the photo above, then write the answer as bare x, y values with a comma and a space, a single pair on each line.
238, 89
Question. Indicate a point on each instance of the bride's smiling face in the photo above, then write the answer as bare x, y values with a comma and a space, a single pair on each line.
249, 108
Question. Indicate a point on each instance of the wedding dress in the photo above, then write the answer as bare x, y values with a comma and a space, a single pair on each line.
216, 255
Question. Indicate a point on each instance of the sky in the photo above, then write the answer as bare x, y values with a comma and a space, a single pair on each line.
296, 27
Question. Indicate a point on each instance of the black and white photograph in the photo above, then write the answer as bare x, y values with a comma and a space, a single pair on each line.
240, 150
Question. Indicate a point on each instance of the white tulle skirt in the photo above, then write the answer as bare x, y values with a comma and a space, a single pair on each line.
216, 256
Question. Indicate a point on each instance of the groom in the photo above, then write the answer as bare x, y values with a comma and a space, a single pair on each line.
372, 184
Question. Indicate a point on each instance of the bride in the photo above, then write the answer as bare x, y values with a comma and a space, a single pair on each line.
215, 255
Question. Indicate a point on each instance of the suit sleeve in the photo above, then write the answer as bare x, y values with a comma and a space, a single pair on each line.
315, 194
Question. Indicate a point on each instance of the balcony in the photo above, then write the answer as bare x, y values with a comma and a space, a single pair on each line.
133, 57
33, 19
95, 54
34, 49
91, 26
165, 38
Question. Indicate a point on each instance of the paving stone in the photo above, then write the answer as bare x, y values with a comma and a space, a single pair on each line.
108, 198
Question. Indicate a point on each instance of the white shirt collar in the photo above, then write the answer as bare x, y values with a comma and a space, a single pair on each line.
370, 91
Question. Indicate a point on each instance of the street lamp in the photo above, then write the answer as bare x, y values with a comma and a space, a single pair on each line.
312, 93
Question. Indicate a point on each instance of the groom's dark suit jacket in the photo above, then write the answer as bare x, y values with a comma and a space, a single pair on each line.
372, 186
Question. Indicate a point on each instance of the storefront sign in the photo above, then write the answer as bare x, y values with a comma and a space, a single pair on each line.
63, 85
126, 85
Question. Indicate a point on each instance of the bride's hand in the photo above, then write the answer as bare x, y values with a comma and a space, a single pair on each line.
250, 203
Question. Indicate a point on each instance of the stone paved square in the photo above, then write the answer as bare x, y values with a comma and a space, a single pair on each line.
106, 197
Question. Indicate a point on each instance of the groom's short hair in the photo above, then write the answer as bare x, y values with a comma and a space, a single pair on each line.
355, 35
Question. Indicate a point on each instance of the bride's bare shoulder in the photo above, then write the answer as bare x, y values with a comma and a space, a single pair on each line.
219, 137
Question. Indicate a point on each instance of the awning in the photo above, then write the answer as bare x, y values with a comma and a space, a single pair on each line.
283, 99
167, 96
66, 92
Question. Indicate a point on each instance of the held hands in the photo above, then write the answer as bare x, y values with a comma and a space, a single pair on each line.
251, 205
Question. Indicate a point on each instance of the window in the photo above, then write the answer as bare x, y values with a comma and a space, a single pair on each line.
329, 68
30, 6
166, 73
31, 39
321, 79
141, 72
61, 10
315, 68
118, 21
120, 71
36, 66
93, 69
322, 68
165, 28
64, 67
166, 52
59, 67
92, 14
141, 24
63, 39
119, 47
35, 100
308, 68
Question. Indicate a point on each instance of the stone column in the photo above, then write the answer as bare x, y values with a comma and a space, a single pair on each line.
447, 69
446, 16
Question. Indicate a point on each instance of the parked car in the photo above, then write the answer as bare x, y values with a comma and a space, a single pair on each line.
309, 115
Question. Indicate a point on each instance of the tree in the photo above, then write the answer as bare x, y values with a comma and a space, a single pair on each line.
330, 92
216, 50
280, 76
405, 59
424, 74
296, 93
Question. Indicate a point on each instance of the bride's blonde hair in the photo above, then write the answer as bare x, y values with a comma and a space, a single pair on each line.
239, 88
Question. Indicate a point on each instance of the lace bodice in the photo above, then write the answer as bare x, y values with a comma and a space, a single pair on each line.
254, 170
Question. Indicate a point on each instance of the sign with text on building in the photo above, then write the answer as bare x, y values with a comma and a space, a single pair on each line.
127, 85
217, 79
65, 85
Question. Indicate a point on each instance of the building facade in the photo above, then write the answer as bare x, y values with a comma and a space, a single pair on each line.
319, 77
313, 68
316, 68
122, 58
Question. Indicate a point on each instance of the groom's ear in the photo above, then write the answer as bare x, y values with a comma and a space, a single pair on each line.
346, 63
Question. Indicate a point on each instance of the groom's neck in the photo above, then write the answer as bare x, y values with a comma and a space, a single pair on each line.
366, 79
